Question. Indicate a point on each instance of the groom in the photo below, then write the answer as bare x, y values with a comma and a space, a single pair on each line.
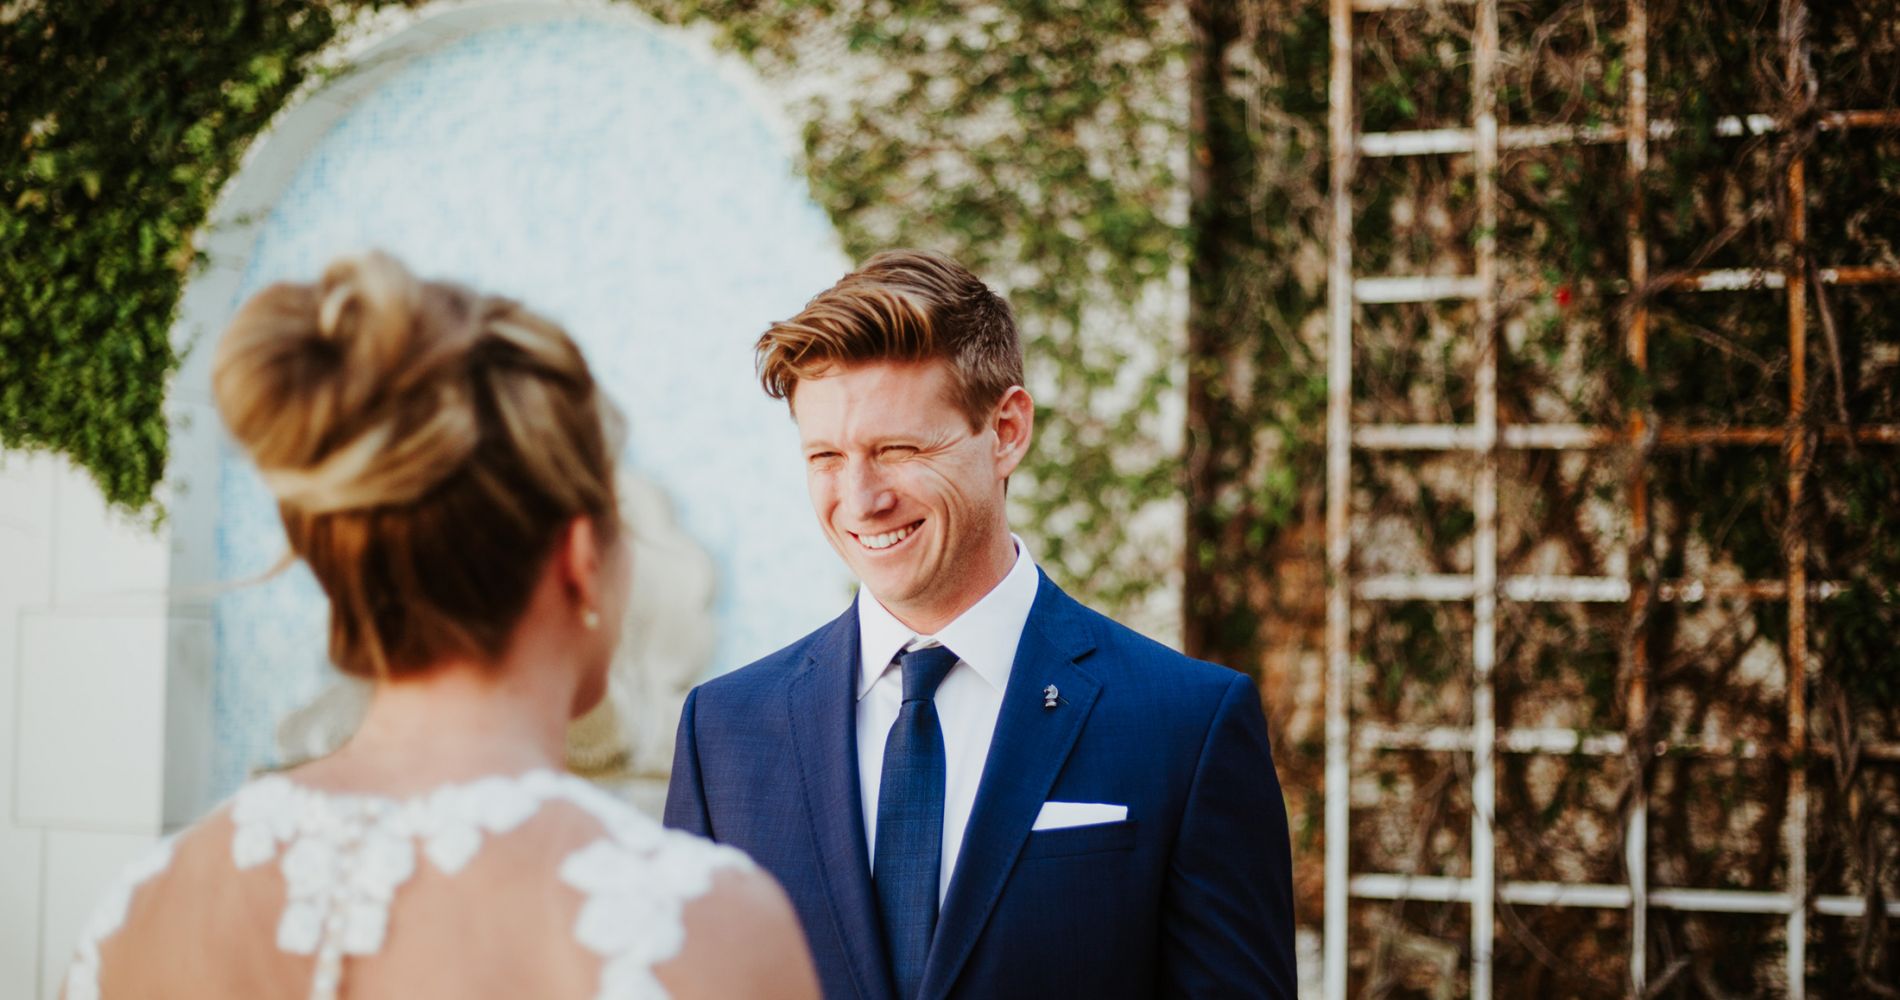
969, 784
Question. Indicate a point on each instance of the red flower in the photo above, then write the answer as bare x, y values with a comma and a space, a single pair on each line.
1563, 296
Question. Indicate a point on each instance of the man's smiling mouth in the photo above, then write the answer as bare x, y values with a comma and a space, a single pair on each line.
887, 539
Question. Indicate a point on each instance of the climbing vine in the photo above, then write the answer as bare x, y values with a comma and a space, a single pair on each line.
119, 122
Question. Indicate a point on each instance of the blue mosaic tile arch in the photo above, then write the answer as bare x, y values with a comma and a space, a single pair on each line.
620, 182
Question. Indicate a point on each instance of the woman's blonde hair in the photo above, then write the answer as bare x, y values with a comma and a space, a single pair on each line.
426, 444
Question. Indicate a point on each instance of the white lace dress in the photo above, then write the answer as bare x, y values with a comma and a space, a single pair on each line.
344, 862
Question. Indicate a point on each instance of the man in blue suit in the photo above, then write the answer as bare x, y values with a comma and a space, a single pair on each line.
969, 784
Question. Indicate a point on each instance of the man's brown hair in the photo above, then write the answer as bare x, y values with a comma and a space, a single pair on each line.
902, 305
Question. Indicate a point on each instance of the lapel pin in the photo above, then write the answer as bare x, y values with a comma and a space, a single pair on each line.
1049, 696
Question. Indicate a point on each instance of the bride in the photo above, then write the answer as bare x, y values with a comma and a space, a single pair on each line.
443, 461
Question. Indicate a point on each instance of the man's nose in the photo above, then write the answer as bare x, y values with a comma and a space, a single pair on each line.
870, 492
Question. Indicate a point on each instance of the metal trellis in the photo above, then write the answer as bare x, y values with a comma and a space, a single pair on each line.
1484, 439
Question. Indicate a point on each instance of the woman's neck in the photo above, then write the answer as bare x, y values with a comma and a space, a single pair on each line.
457, 721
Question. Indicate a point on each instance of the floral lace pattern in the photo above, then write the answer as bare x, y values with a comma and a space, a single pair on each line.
635, 892
344, 857
637, 881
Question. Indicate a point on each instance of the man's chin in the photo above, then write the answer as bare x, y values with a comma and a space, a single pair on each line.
893, 590
886, 588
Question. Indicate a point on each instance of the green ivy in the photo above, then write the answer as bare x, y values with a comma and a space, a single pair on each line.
120, 121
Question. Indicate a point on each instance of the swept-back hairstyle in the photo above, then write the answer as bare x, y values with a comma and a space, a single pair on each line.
902, 305
426, 445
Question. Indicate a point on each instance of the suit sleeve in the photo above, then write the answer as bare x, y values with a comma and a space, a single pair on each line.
685, 795
1227, 916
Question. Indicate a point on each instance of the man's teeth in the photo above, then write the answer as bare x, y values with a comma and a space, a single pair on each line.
887, 539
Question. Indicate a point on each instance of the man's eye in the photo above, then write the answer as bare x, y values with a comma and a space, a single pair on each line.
897, 451
823, 458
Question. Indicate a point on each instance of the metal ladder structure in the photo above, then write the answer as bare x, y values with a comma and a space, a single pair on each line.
1483, 441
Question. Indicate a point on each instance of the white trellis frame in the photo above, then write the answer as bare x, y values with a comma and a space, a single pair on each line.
1484, 439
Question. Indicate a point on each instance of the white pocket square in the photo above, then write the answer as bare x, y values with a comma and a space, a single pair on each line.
1062, 815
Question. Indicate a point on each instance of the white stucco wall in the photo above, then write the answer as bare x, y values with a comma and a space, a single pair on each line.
86, 638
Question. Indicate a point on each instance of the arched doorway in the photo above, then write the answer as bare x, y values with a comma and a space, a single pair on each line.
612, 173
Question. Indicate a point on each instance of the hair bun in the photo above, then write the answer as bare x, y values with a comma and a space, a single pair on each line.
369, 307
350, 393
428, 446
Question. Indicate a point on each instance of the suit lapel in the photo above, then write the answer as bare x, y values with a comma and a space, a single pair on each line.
1027, 752
823, 705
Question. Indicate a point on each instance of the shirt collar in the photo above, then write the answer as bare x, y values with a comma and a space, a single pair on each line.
985, 636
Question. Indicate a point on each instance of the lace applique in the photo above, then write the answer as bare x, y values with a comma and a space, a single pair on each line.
637, 882
343, 858
82, 977
347, 855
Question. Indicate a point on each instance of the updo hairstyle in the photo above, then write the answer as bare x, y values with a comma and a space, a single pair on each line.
426, 445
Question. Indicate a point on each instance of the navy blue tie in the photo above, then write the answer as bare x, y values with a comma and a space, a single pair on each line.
910, 819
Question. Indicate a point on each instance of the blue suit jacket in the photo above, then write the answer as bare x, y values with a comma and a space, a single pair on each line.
1190, 896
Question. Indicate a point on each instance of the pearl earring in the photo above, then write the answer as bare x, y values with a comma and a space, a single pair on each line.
591, 619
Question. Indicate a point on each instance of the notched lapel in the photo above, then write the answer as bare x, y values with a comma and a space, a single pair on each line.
1028, 751
824, 725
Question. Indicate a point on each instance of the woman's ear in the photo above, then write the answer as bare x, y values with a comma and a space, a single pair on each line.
581, 560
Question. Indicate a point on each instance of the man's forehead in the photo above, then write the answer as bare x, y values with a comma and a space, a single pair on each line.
878, 370
857, 423
875, 411
888, 390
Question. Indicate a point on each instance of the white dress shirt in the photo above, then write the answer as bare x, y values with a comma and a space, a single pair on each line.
985, 639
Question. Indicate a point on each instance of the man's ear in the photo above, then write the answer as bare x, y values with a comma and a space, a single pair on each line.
1014, 423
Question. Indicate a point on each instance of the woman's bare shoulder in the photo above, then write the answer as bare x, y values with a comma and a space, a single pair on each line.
742, 939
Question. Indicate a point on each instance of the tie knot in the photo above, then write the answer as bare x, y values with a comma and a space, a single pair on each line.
924, 669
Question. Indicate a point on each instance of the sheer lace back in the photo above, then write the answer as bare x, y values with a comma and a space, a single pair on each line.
539, 884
